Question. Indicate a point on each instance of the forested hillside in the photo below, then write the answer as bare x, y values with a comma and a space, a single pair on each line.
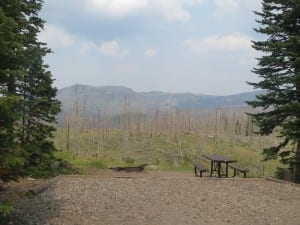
94, 100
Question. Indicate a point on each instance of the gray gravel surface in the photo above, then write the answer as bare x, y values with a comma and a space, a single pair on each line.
161, 198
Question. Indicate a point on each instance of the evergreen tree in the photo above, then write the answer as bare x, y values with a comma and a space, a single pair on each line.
26, 81
279, 70
12, 157
39, 104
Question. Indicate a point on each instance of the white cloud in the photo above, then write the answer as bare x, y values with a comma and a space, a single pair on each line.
55, 37
170, 10
225, 7
149, 53
112, 48
87, 46
117, 7
109, 48
215, 43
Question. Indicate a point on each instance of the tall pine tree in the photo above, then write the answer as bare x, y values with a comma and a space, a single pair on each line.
12, 157
279, 72
39, 104
25, 79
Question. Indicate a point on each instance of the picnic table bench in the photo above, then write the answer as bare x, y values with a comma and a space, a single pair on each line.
138, 168
199, 167
239, 169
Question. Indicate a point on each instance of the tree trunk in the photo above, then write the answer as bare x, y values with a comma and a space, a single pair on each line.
11, 85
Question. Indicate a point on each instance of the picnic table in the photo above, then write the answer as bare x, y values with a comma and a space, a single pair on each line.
216, 164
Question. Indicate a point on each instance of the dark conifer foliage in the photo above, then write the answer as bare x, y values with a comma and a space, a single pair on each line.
279, 73
27, 98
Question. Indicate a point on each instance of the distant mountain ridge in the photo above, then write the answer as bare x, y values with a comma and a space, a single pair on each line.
114, 99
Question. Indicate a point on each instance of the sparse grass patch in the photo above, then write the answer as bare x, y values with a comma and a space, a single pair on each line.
129, 160
81, 163
99, 164
165, 152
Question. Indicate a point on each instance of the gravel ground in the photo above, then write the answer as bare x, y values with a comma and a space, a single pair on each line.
161, 198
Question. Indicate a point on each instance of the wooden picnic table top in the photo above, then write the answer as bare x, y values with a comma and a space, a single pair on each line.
220, 158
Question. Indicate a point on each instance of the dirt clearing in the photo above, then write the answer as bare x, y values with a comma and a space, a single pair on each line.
153, 198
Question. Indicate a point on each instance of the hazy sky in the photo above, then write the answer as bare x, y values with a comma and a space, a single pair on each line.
198, 46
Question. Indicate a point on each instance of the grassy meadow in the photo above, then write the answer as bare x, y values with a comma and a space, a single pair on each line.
164, 140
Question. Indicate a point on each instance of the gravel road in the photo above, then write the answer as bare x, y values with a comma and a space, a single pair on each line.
153, 198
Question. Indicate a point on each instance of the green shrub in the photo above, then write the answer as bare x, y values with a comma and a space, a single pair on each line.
5, 210
129, 160
279, 173
99, 164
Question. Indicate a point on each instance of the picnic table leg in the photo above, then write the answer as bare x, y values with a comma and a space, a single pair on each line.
226, 169
234, 172
211, 167
196, 172
219, 169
